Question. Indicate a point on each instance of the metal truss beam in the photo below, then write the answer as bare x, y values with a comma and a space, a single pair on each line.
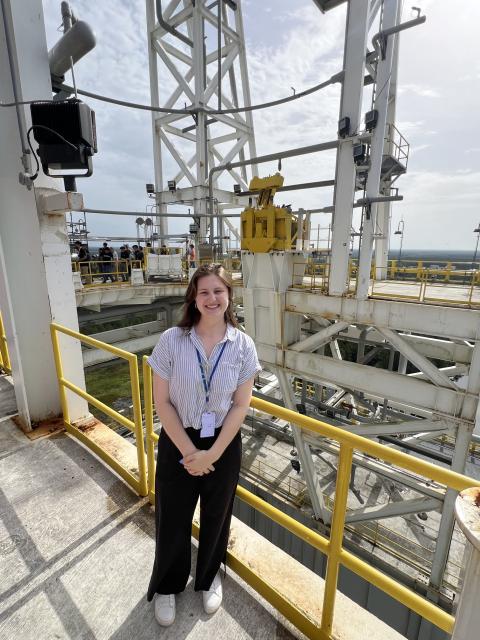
318, 339
394, 428
386, 384
305, 455
382, 469
430, 320
392, 509
428, 368
461, 353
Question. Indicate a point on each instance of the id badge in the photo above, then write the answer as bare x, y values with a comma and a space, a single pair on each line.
208, 424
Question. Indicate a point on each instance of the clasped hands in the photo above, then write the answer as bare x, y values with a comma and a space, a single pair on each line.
199, 462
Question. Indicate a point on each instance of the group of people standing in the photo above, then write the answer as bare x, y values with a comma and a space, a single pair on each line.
113, 265
109, 263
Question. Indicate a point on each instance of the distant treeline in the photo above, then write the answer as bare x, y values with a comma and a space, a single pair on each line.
431, 255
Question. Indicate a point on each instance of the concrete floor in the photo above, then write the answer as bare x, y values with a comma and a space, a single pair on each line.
76, 552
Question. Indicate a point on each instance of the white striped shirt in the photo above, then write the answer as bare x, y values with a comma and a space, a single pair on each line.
175, 359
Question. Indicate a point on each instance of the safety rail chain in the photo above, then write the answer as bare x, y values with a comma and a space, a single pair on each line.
5, 364
331, 547
139, 484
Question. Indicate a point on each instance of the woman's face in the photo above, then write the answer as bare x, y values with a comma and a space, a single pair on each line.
212, 297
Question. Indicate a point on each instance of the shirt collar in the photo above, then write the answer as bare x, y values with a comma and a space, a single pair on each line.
230, 334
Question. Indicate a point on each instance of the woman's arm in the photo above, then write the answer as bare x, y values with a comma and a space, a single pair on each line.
168, 416
202, 460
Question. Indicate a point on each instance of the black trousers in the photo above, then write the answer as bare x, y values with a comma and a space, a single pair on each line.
176, 495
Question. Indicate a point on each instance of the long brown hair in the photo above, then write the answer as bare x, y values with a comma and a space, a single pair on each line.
190, 314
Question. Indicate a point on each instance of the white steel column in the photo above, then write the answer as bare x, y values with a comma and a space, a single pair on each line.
161, 222
384, 210
352, 91
37, 284
304, 452
200, 73
369, 225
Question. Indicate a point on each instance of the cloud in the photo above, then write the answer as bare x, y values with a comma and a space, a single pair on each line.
419, 90
298, 48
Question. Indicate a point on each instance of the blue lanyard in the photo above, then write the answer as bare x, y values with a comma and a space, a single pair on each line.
206, 385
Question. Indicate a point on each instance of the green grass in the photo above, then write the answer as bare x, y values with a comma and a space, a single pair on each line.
110, 383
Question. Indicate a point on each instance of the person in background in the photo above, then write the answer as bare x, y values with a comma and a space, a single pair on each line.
84, 262
139, 255
124, 266
163, 250
191, 257
204, 370
106, 257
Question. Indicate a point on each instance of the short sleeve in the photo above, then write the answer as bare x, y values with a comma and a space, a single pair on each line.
250, 363
161, 360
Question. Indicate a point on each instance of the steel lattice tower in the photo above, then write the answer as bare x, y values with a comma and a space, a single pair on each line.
197, 60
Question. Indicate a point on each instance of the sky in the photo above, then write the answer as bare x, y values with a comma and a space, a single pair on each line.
291, 44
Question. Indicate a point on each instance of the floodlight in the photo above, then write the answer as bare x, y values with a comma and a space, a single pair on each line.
66, 135
237, 189
172, 185
344, 127
359, 153
150, 187
371, 119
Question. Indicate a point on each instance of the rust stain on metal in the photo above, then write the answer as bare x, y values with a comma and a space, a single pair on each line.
43, 428
477, 499
87, 425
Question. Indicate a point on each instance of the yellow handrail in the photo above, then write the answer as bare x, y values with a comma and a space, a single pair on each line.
5, 363
332, 547
139, 484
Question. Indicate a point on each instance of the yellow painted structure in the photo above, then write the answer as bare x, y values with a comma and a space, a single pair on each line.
4, 357
267, 227
332, 546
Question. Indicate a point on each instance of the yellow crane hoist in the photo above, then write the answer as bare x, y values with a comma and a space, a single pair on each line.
267, 227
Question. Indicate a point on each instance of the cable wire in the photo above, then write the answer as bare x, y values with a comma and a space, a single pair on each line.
41, 126
338, 77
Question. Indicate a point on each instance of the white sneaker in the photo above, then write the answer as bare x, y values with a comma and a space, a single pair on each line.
212, 599
165, 609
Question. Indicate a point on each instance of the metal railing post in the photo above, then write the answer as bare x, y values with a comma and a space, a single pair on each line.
137, 419
336, 536
59, 367
148, 402
5, 363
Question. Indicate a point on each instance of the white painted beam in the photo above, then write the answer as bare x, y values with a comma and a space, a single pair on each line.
97, 356
382, 469
428, 368
386, 384
318, 339
432, 320
461, 353
392, 509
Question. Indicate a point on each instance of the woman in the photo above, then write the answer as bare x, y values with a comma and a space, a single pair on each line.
204, 370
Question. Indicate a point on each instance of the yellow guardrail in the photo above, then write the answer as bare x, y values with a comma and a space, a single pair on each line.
5, 364
139, 484
333, 546
98, 272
